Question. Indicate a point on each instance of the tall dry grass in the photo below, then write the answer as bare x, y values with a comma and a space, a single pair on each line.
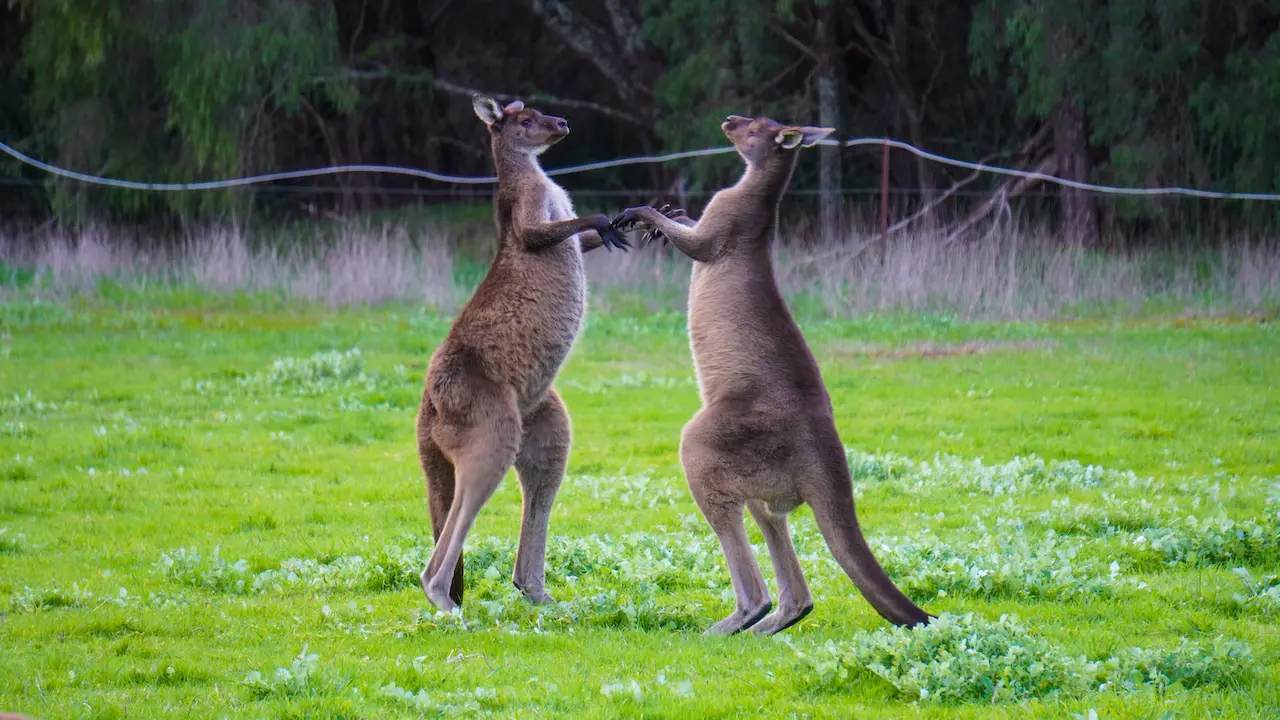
1018, 272
1021, 272
354, 265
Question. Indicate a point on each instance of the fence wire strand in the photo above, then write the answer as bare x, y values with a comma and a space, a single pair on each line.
618, 162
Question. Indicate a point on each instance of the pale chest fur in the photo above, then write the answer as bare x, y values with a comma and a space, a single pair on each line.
721, 348
559, 207
560, 292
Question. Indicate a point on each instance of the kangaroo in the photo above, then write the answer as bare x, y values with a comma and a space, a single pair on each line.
765, 436
488, 401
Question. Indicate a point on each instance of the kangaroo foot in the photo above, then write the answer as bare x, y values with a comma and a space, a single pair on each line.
781, 620
740, 620
537, 595
439, 596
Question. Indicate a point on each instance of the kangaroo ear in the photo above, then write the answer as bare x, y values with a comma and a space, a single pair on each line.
487, 109
514, 107
793, 137
789, 138
812, 135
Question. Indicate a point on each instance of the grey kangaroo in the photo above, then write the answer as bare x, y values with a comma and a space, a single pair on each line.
489, 403
765, 437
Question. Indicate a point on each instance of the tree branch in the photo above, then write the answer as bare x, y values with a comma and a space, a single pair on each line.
760, 90
453, 88
873, 47
1013, 188
794, 42
540, 97
438, 11
625, 25
587, 39
929, 207
1034, 145
933, 77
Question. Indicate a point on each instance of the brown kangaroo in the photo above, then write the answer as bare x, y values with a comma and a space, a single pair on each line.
489, 403
766, 435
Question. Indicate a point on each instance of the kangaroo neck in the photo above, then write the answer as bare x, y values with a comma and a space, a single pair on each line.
757, 194
769, 178
512, 164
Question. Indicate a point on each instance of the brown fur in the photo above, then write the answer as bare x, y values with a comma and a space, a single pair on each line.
489, 403
765, 437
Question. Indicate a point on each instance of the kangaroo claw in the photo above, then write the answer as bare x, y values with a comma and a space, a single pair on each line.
654, 234
625, 220
611, 238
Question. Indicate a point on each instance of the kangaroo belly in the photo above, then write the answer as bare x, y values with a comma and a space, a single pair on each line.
731, 349
558, 320
547, 355
743, 339
522, 321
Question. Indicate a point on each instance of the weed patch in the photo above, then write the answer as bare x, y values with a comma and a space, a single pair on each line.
1261, 594
1019, 475
1001, 562
300, 679
964, 658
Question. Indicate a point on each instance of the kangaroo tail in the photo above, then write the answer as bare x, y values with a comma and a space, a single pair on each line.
838, 523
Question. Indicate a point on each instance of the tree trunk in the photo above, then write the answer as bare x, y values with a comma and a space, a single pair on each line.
905, 92
828, 116
1071, 145
1079, 210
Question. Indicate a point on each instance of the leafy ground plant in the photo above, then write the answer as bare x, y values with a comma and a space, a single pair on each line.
964, 658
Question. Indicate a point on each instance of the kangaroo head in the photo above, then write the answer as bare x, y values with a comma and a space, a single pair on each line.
757, 138
521, 129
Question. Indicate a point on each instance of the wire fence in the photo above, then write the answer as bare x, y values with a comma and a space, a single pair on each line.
465, 180
476, 191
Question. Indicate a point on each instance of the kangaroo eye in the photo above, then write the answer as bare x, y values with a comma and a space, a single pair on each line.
527, 123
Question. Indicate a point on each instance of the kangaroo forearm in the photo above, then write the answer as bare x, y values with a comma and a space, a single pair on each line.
685, 237
590, 241
549, 234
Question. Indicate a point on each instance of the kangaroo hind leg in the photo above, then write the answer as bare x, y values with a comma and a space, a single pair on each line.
794, 599
440, 490
540, 465
711, 486
482, 453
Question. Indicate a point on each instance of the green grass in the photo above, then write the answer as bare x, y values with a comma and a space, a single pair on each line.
180, 517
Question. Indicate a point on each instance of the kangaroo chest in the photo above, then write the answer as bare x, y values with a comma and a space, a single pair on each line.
721, 337
557, 301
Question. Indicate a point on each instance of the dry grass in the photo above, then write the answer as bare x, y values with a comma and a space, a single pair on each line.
1016, 273
351, 266
924, 350
1024, 272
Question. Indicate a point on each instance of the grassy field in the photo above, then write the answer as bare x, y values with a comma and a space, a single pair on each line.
213, 508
